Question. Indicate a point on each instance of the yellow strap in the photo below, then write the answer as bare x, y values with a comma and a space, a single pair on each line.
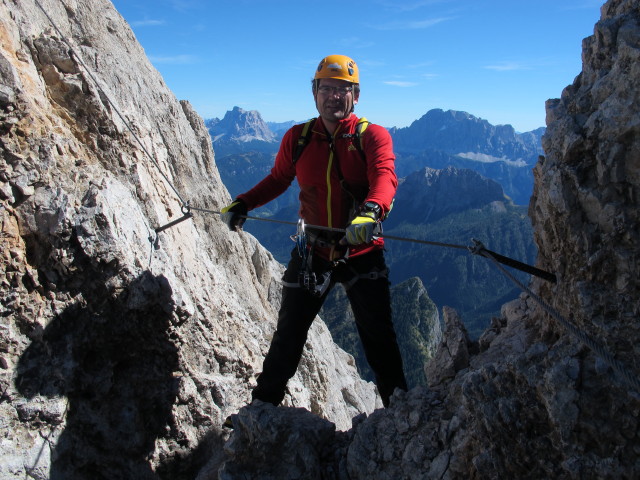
362, 125
329, 166
303, 136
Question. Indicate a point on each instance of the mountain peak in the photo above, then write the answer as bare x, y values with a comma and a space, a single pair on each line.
458, 132
240, 125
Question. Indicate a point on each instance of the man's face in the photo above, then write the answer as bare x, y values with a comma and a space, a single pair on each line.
334, 99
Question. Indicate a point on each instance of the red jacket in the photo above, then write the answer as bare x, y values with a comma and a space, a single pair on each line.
322, 199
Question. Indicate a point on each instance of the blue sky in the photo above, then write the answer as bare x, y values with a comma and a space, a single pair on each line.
499, 60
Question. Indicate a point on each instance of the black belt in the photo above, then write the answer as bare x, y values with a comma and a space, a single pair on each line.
323, 239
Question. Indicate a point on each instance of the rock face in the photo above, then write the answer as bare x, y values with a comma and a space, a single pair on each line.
587, 187
123, 350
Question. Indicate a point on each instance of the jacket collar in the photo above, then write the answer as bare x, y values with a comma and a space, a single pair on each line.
344, 125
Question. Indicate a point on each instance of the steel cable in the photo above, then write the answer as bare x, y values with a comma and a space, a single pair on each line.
618, 367
113, 105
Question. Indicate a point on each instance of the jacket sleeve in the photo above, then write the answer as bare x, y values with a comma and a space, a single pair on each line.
378, 149
279, 179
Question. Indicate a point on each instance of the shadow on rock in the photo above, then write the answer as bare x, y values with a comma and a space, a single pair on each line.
111, 356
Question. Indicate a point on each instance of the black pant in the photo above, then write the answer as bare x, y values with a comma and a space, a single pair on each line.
371, 305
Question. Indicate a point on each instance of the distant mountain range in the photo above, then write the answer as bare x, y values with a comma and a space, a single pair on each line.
437, 140
463, 135
440, 139
454, 206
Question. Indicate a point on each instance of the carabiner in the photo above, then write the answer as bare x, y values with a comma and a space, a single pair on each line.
301, 239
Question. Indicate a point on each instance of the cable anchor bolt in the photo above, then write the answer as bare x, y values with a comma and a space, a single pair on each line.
477, 247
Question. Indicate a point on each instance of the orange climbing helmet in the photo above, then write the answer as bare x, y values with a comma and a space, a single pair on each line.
339, 67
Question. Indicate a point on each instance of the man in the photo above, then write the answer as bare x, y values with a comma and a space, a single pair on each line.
347, 180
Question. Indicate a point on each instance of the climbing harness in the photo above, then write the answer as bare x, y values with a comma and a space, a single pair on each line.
302, 229
372, 275
307, 277
317, 282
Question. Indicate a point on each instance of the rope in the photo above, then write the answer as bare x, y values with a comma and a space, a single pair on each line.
113, 105
337, 230
618, 367
248, 217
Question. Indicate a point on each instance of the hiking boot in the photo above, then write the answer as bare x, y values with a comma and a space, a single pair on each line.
228, 423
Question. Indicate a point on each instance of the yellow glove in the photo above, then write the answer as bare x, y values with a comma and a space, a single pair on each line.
233, 215
362, 229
